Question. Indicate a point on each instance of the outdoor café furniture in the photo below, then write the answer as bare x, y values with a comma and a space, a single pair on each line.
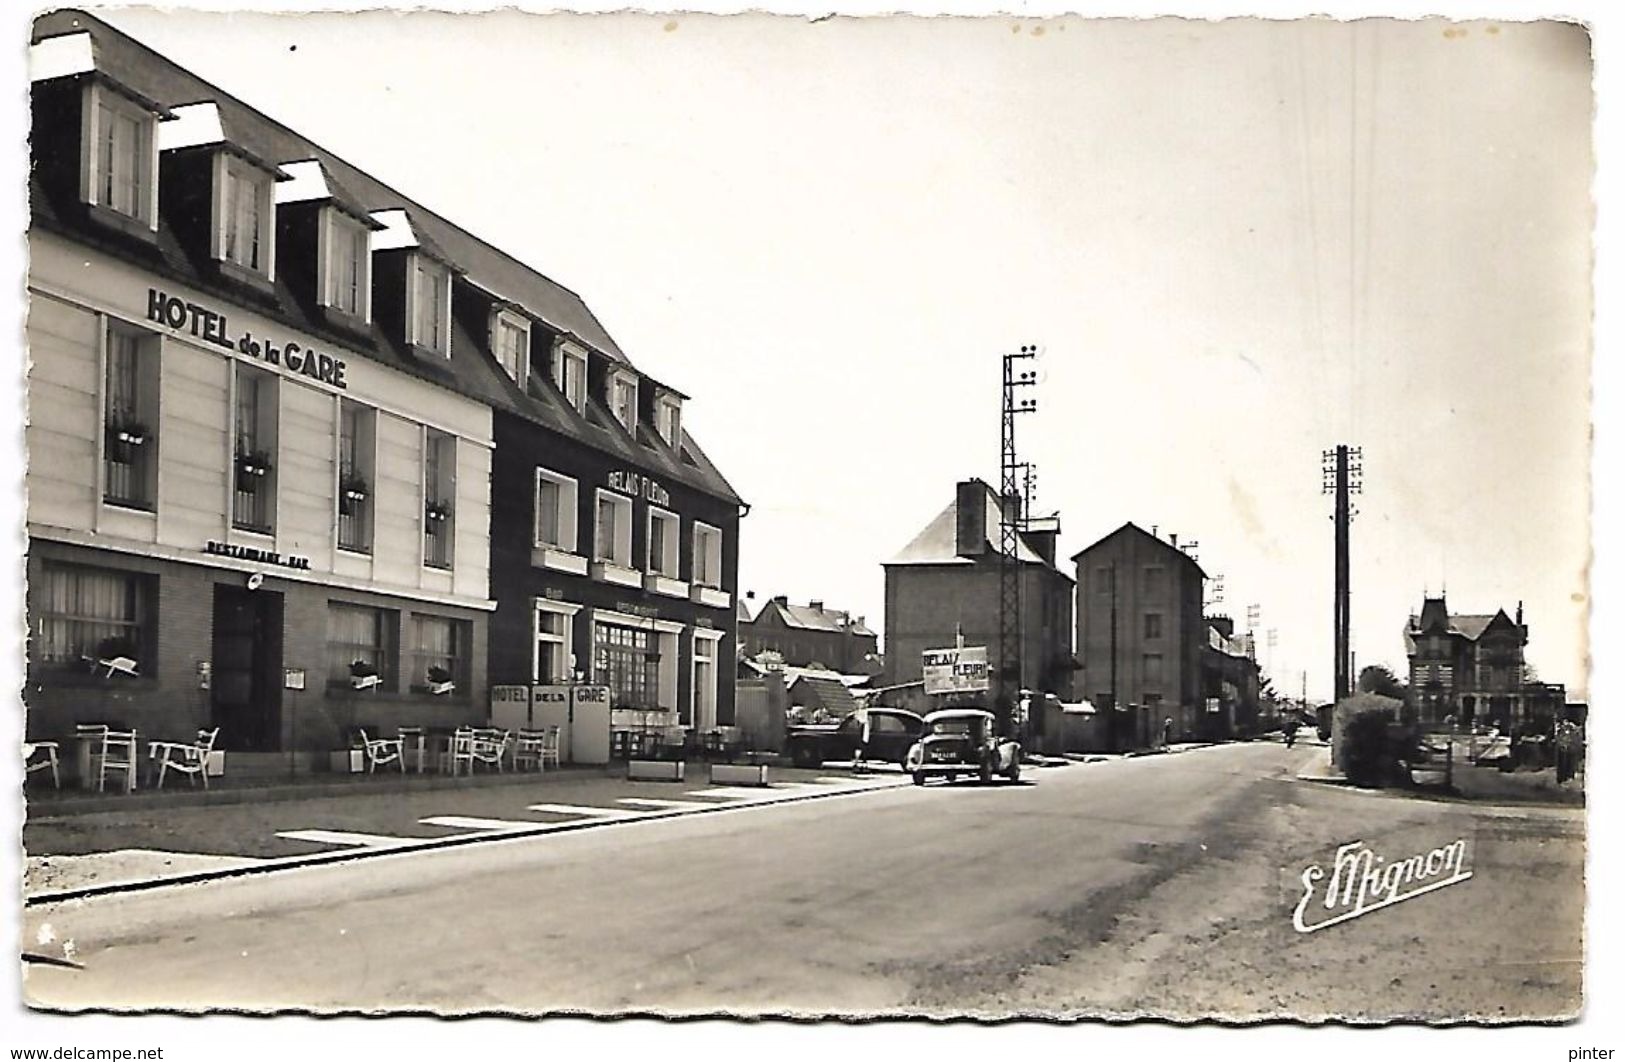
381, 751
672, 743
190, 759
115, 757
88, 740
489, 747
414, 747
459, 751
46, 753
530, 748
550, 748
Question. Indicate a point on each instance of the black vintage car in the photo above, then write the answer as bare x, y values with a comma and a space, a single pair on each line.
890, 732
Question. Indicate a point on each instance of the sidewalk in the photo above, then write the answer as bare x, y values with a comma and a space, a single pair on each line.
74, 843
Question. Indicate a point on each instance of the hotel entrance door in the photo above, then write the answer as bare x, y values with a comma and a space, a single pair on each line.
246, 676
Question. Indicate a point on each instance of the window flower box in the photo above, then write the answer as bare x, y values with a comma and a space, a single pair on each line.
353, 492
363, 676
125, 439
440, 681
252, 468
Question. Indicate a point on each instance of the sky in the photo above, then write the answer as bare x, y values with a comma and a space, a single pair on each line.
1236, 243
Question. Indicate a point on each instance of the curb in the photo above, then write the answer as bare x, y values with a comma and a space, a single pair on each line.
271, 866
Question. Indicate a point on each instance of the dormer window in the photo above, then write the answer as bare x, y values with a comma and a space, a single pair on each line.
623, 399
120, 163
570, 374
346, 265
668, 420
429, 299
243, 226
510, 342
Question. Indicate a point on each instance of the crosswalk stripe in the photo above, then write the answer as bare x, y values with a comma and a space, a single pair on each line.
365, 840
468, 822
586, 810
727, 792
653, 803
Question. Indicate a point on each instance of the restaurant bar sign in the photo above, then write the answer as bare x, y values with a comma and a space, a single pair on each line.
249, 553
959, 670
212, 327
638, 485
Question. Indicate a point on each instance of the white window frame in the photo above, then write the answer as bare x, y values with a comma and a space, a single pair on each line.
623, 528
668, 565
703, 531
337, 230
569, 512
566, 643
712, 639
422, 264
229, 168
97, 99
502, 320
617, 380
669, 420
572, 387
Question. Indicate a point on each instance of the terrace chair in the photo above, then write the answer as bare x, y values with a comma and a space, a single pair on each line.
89, 737
461, 751
116, 756
490, 746
190, 759
527, 749
47, 762
381, 751
550, 748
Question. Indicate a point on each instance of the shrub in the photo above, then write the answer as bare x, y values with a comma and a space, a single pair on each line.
1360, 745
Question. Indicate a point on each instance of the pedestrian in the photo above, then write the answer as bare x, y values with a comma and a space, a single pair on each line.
1167, 731
1567, 740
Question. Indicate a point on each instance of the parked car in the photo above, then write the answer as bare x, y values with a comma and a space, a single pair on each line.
891, 731
961, 741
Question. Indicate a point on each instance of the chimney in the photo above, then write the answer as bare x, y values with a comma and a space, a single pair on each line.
783, 601
1173, 540
816, 606
1520, 613
970, 518
1011, 513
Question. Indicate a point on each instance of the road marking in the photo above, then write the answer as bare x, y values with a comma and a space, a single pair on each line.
728, 792
653, 803
587, 811
466, 822
364, 840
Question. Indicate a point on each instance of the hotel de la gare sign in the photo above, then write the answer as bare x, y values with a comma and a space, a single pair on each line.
212, 327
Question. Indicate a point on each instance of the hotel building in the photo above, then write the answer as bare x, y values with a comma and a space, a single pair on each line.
305, 455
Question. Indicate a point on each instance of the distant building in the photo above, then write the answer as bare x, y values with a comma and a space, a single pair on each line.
946, 583
811, 635
1472, 667
1229, 683
1142, 637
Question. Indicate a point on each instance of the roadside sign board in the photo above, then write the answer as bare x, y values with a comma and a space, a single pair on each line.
958, 670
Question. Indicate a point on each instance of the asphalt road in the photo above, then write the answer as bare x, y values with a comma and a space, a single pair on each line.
947, 899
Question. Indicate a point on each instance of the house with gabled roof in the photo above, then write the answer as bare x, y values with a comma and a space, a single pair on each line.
812, 635
1471, 666
944, 584
1142, 636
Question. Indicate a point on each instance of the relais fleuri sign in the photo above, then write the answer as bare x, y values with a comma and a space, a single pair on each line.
959, 670
212, 327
